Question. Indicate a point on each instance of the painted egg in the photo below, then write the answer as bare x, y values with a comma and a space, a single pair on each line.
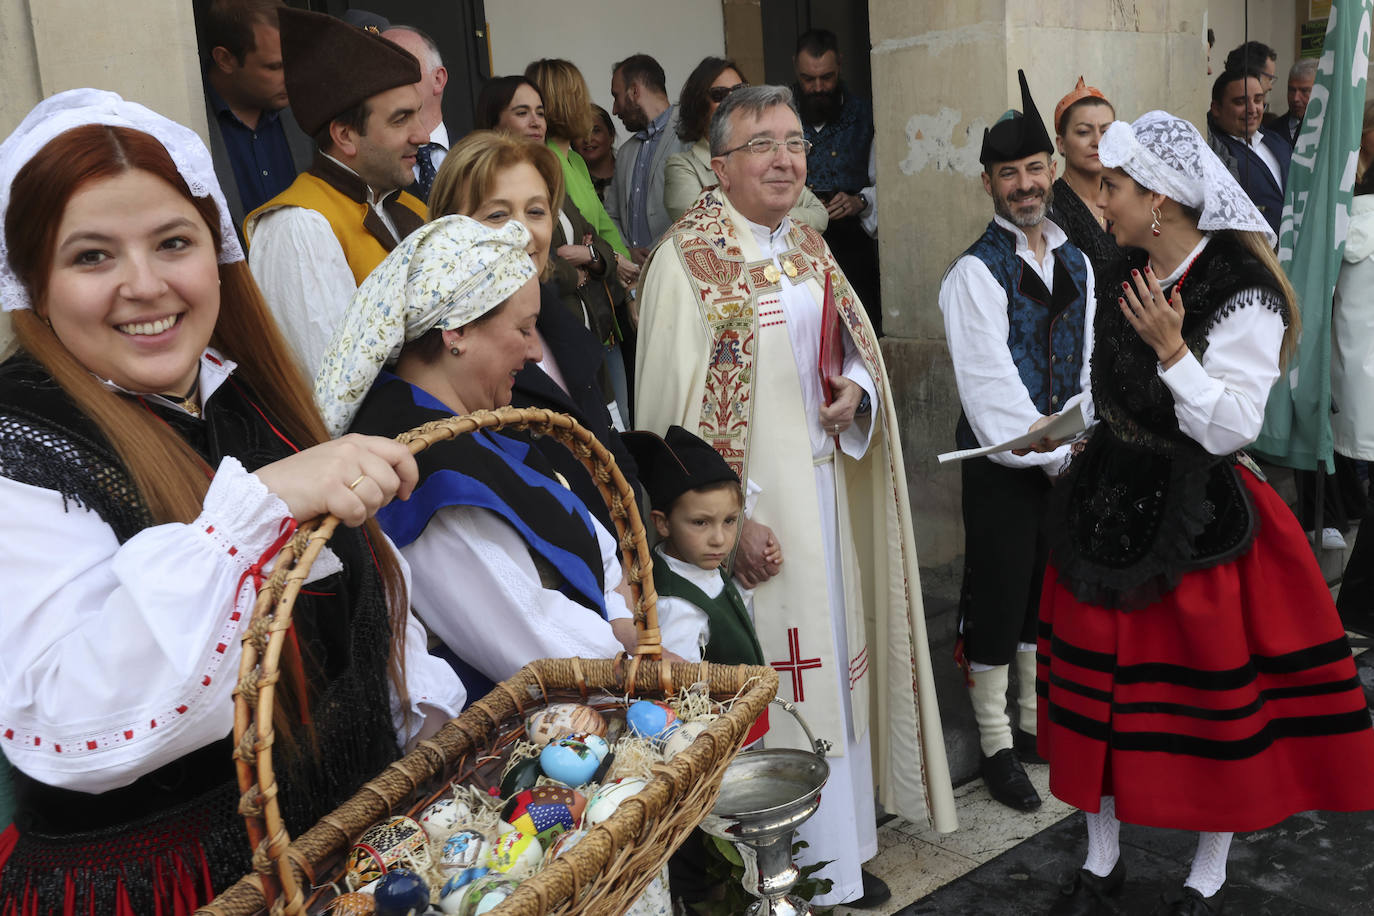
520, 777
561, 719
651, 719
544, 811
562, 844
354, 904
443, 817
402, 892
451, 894
464, 849
603, 803
516, 855
482, 895
382, 846
571, 761
682, 737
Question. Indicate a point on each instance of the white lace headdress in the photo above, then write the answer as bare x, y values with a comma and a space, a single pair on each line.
1167, 154
77, 108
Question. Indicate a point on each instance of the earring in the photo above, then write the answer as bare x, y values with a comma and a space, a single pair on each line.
456, 350
1154, 225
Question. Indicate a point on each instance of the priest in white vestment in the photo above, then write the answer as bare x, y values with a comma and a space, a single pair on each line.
729, 344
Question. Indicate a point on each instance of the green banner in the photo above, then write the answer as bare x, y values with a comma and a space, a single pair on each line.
1316, 214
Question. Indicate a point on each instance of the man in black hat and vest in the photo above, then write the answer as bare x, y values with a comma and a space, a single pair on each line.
311, 245
1018, 309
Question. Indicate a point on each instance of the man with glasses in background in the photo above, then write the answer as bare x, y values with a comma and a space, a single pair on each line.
734, 344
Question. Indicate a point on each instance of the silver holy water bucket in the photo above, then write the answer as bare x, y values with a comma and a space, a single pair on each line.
765, 796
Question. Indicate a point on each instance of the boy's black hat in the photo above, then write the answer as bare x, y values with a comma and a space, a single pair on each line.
673, 464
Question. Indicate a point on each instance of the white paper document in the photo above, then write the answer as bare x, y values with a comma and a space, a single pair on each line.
1068, 425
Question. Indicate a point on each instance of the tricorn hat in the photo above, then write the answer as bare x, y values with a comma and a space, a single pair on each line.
1017, 134
675, 463
331, 66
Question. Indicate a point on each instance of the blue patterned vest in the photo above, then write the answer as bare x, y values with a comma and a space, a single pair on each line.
1046, 331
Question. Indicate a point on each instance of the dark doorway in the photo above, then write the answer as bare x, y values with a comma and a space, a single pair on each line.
458, 27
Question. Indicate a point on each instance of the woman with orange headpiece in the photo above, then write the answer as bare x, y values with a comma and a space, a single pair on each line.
1080, 120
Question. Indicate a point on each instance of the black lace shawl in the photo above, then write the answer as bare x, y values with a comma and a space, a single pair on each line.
1143, 503
186, 810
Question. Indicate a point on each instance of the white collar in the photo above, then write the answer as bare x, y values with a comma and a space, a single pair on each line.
440, 135
768, 239
1049, 230
215, 370
374, 199
709, 581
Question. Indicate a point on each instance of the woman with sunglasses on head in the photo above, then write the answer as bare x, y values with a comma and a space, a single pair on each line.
157, 446
1194, 673
686, 175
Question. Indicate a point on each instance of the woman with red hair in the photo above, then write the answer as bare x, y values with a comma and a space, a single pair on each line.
146, 480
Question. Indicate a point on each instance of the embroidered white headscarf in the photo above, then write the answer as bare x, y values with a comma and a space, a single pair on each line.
445, 274
76, 108
1167, 154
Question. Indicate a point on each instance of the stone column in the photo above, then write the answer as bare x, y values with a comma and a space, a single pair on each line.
942, 72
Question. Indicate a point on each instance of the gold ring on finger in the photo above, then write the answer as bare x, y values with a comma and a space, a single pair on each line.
354, 484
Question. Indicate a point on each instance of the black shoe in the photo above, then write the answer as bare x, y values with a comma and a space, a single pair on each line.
1007, 781
1190, 902
1026, 747
876, 892
1085, 894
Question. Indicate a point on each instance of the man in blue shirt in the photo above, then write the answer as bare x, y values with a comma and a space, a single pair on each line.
256, 145
840, 166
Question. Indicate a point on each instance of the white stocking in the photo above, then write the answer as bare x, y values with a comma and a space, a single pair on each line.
1209, 863
1103, 833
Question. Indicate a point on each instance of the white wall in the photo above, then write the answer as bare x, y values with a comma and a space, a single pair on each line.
594, 34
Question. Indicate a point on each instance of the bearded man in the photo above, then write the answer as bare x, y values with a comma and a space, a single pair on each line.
841, 168
1018, 309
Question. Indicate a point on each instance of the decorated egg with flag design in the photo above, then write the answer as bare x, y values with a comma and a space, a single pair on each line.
516, 855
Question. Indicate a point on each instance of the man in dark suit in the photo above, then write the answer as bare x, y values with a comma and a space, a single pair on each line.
1301, 78
257, 147
1258, 158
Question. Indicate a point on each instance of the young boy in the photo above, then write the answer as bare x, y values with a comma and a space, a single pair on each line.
697, 502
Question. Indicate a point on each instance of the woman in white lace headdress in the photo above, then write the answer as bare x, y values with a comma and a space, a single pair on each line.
1196, 675
146, 477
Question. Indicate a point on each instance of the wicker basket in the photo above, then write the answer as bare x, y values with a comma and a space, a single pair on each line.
607, 870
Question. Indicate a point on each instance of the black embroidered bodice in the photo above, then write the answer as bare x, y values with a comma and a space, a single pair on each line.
1143, 503
342, 628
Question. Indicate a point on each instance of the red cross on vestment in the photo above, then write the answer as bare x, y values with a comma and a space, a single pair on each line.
795, 664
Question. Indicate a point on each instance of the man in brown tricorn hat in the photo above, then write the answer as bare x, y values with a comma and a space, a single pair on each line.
312, 244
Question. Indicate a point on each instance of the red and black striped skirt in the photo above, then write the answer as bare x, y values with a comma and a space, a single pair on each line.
1228, 705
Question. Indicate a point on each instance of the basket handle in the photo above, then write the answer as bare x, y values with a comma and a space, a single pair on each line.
265, 635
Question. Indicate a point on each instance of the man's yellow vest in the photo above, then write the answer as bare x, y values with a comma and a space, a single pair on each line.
345, 217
